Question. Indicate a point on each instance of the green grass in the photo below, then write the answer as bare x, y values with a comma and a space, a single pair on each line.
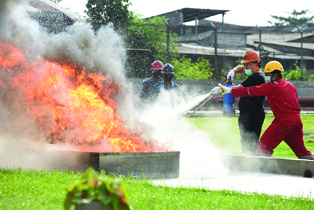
23, 189
225, 134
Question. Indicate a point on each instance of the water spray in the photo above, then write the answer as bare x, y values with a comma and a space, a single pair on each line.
208, 99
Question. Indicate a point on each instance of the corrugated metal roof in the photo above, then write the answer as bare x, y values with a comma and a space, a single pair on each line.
47, 6
190, 14
49, 15
194, 48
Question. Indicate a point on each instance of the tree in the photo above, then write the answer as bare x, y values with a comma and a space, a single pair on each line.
149, 34
295, 19
101, 12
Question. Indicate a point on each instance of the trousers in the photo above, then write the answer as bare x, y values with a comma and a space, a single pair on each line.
250, 126
288, 129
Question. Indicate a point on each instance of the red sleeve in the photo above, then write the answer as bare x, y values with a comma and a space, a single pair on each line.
240, 92
261, 90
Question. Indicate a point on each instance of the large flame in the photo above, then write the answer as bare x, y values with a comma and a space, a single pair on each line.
69, 104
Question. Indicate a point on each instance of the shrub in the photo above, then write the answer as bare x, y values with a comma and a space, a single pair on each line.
110, 191
185, 69
296, 73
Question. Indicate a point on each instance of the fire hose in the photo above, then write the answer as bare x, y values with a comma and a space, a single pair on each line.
208, 99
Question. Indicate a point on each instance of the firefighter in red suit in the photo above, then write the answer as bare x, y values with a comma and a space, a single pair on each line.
282, 97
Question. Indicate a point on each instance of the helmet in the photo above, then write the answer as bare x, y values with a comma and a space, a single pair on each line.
250, 56
272, 66
157, 65
167, 68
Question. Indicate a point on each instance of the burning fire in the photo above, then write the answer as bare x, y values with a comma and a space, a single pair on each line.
70, 105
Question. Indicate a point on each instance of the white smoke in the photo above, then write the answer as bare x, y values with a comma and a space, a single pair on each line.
198, 156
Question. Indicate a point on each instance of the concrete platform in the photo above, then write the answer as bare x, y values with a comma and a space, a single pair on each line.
158, 165
271, 184
252, 174
269, 165
218, 113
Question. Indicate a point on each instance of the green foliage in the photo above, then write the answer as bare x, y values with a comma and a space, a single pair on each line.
295, 18
185, 69
152, 35
201, 69
101, 12
91, 188
311, 78
295, 73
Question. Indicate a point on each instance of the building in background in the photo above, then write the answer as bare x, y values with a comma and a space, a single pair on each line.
196, 36
49, 15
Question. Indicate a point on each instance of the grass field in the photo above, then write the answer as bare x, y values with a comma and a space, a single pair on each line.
22, 189
225, 134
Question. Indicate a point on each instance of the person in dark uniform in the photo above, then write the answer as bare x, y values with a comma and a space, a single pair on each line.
251, 108
167, 74
167, 86
147, 86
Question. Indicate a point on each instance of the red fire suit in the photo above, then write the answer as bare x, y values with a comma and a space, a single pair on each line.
287, 126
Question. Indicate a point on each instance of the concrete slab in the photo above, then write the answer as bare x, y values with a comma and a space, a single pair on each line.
253, 174
55, 159
271, 184
219, 113
269, 165
157, 164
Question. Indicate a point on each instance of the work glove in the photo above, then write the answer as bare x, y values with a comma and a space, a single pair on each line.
224, 90
216, 90
230, 75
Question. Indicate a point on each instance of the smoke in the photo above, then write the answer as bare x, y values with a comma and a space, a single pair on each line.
17, 151
198, 156
16, 26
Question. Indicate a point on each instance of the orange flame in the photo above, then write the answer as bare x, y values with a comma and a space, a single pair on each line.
71, 105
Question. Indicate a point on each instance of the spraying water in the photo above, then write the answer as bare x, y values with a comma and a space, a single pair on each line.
198, 156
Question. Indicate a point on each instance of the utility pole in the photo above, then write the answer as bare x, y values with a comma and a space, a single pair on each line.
168, 31
301, 31
259, 47
215, 45
301, 55
196, 20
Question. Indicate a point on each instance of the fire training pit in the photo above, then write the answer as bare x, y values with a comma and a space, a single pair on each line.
157, 164
148, 164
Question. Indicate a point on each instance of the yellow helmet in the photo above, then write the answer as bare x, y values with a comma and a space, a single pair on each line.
272, 66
